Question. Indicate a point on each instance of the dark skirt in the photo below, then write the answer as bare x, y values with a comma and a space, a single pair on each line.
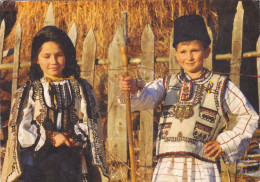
60, 164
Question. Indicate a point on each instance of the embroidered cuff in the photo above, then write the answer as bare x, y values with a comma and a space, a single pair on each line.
121, 96
224, 158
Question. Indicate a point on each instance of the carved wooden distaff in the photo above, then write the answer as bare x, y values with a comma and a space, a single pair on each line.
123, 51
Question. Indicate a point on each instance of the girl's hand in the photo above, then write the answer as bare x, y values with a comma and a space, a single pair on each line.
128, 84
212, 149
59, 139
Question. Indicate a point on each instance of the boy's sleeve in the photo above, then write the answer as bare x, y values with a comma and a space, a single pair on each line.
148, 97
235, 141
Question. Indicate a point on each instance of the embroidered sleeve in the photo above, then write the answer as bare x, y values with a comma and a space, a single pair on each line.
29, 133
92, 126
81, 129
235, 142
147, 98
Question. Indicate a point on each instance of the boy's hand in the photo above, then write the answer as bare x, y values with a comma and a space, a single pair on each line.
128, 84
212, 149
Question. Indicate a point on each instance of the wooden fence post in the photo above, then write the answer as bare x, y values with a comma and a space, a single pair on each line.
2, 33
146, 117
237, 33
208, 62
18, 39
116, 122
235, 64
49, 19
174, 66
258, 70
89, 57
73, 34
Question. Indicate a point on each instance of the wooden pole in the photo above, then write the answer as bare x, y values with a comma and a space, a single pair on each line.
17, 46
258, 70
146, 116
49, 19
116, 119
237, 36
2, 31
88, 57
123, 51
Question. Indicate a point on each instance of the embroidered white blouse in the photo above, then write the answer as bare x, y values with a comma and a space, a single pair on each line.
27, 132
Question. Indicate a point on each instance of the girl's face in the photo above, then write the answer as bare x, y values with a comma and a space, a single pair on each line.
190, 56
51, 59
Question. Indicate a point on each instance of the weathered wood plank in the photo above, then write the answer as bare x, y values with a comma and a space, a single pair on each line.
49, 19
227, 56
88, 57
73, 34
235, 63
251, 54
2, 33
174, 66
208, 62
18, 39
237, 45
245, 55
146, 117
124, 25
116, 123
258, 70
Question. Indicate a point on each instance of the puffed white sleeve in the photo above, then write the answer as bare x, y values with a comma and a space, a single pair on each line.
29, 132
148, 97
234, 142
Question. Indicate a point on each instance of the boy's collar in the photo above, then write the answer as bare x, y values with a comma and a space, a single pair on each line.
187, 77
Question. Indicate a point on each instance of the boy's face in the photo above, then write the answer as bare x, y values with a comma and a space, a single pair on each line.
51, 59
190, 56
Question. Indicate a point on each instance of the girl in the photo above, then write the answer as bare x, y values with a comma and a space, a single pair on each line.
55, 128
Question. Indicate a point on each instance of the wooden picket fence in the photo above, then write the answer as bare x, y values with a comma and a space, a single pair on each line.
116, 121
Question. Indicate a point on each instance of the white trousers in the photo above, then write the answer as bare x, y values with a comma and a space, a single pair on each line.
185, 169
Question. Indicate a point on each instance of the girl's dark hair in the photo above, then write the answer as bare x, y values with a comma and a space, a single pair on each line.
52, 33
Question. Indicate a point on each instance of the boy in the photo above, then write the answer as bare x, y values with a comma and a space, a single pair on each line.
194, 113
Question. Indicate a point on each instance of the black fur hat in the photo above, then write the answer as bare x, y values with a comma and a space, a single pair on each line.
190, 27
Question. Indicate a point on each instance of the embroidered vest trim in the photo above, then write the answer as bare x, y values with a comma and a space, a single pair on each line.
11, 168
192, 114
